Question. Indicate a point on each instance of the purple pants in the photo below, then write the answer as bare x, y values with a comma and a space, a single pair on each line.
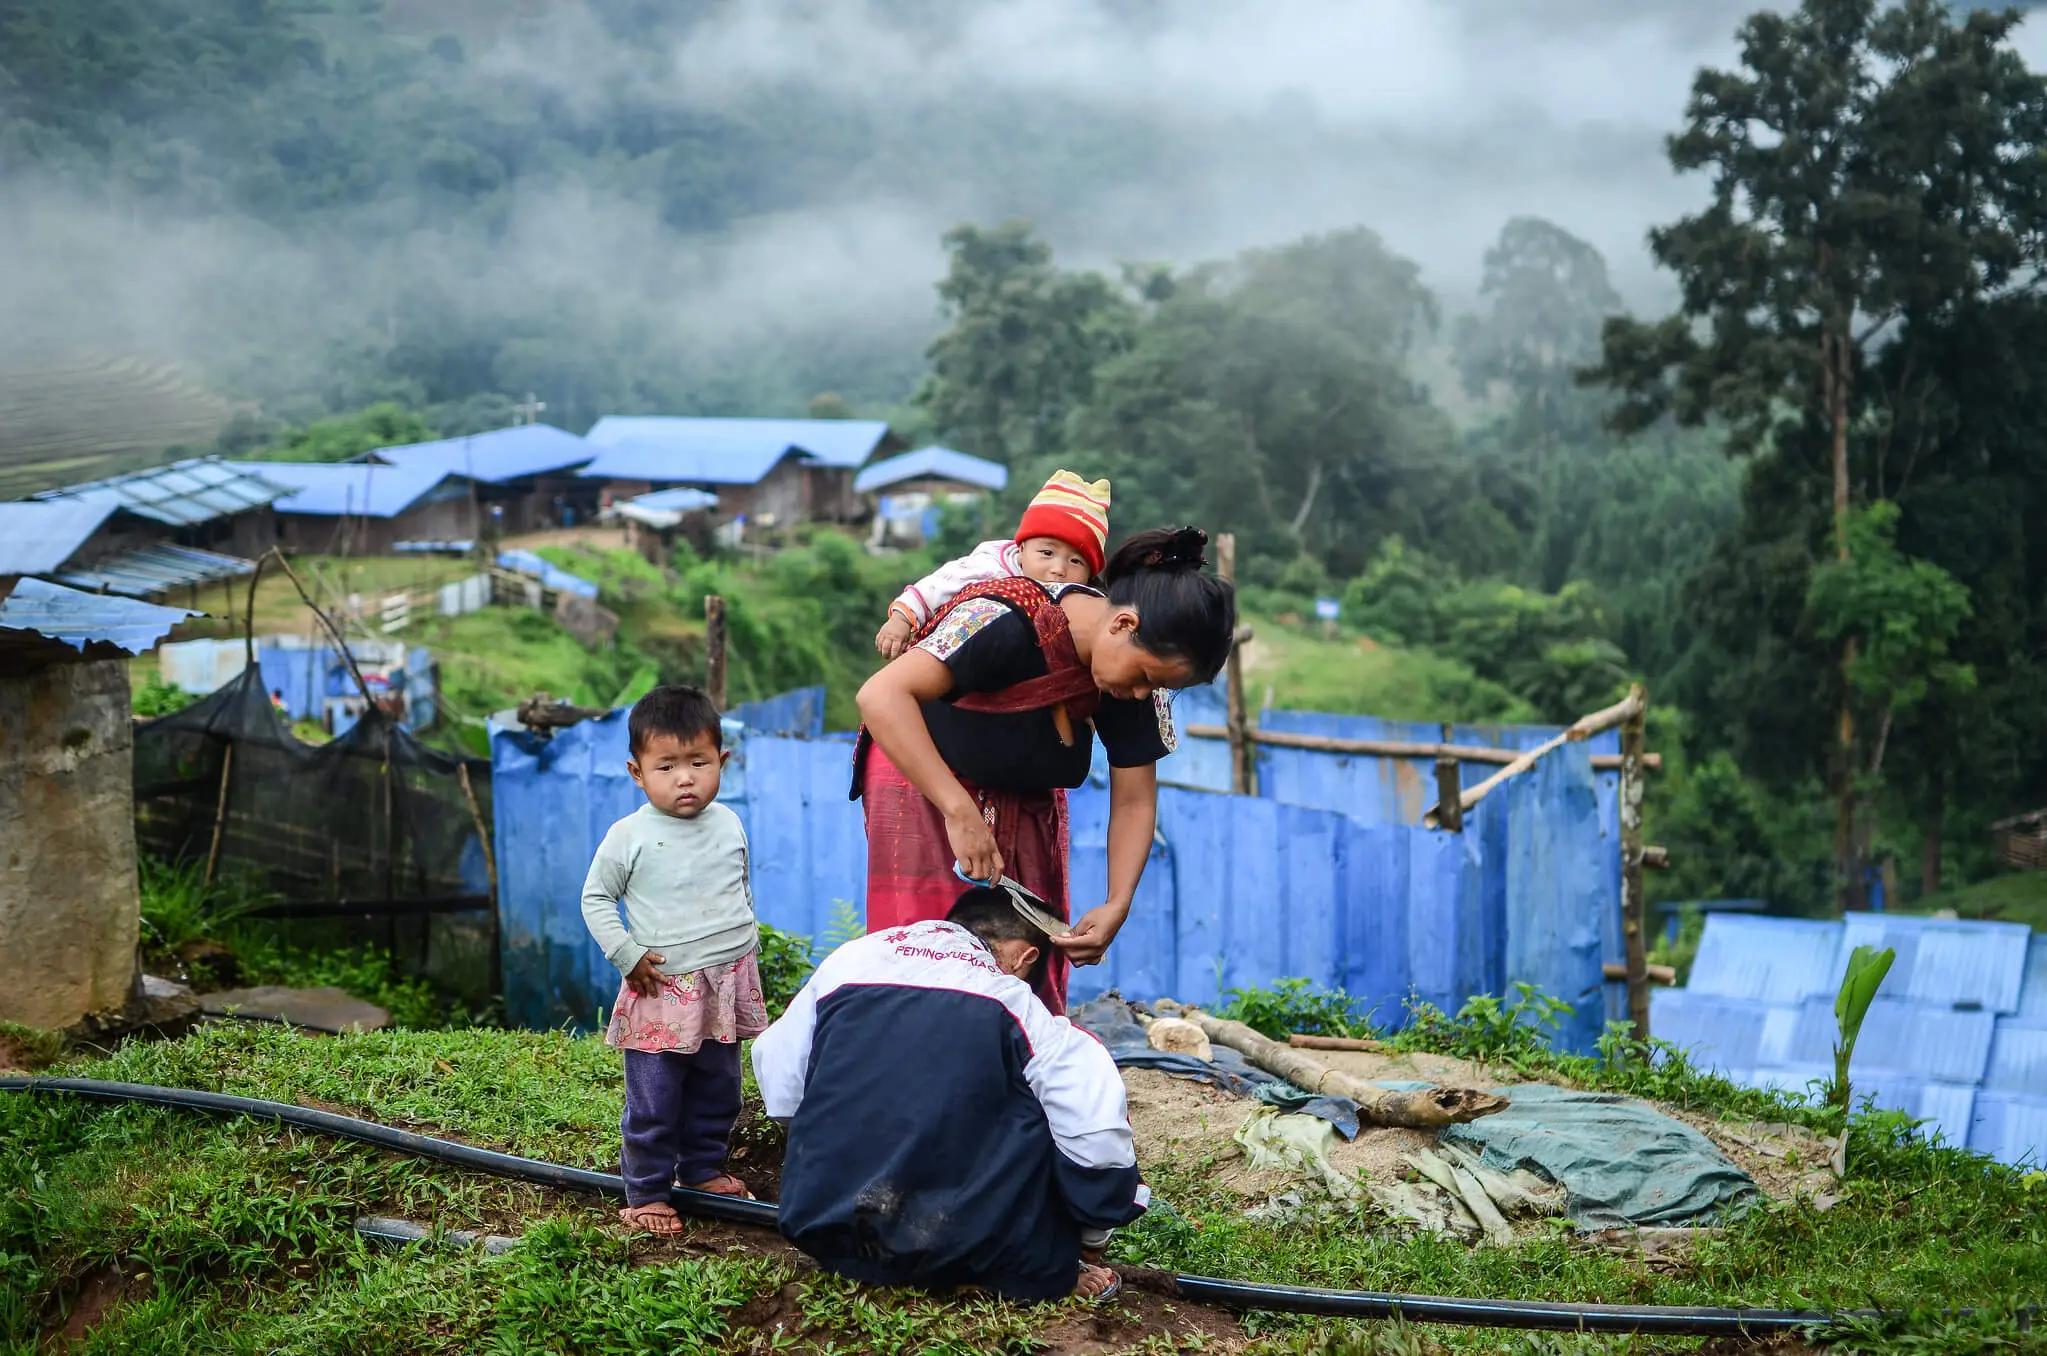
679, 1114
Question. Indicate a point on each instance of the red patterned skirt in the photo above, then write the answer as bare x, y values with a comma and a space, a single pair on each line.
909, 861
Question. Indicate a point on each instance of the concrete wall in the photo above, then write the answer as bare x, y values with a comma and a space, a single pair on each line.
68, 906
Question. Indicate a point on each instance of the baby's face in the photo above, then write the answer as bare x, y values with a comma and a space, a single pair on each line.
1051, 561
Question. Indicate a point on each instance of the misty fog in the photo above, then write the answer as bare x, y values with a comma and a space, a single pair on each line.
1220, 127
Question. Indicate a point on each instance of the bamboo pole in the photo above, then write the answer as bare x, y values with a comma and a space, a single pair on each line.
714, 650
1658, 974
1582, 728
1243, 759
1356, 1044
1398, 748
227, 763
1422, 1109
1632, 907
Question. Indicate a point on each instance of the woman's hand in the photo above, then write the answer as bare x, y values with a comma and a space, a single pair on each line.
1089, 940
973, 844
645, 978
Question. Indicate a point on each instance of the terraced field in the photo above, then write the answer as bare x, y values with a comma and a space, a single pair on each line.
79, 418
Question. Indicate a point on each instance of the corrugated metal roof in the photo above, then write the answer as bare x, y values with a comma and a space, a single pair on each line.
2010, 1126
497, 456
663, 449
360, 489
1949, 1108
2018, 1056
933, 463
1902, 1036
157, 568
1766, 960
2033, 989
197, 490
37, 536
86, 621
1942, 960
1730, 1035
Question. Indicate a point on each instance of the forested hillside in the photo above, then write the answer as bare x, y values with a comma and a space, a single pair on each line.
1808, 507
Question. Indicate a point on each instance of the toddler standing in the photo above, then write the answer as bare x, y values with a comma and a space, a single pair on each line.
1063, 539
688, 951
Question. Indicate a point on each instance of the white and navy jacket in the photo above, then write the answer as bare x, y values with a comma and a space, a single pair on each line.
944, 1128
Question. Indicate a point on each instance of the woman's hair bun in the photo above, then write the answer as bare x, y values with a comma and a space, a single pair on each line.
1180, 548
1173, 550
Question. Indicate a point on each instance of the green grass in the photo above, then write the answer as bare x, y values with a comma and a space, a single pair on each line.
1353, 675
2016, 897
237, 1235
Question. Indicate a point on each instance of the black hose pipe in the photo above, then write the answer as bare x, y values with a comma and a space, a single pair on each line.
1226, 1294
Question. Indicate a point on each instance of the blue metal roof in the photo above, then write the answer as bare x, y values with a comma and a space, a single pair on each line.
1767, 960
37, 535
196, 490
157, 568
940, 463
359, 489
86, 620
497, 456
668, 450
1942, 960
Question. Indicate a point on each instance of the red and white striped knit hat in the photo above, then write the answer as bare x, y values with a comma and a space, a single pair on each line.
1071, 510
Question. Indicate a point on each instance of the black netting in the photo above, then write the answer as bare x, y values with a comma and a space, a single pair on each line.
374, 819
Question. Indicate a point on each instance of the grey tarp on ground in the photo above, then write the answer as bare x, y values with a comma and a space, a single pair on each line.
1111, 1022
1619, 1160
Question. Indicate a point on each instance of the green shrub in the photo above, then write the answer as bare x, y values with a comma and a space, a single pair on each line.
1292, 1005
785, 962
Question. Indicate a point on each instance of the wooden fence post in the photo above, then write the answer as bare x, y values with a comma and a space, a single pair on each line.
1449, 790
714, 650
1243, 768
1633, 910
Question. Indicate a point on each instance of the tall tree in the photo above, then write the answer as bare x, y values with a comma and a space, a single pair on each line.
1021, 344
1547, 295
1868, 171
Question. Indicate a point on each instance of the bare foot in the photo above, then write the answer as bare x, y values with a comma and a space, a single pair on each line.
655, 1217
724, 1184
1097, 1283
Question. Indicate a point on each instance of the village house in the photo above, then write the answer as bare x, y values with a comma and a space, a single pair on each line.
655, 522
524, 477
904, 494
164, 532
769, 473
365, 508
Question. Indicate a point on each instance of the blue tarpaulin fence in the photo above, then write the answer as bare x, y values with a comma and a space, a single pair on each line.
1240, 891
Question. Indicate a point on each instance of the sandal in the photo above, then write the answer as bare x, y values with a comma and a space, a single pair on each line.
652, 1217
724, 1184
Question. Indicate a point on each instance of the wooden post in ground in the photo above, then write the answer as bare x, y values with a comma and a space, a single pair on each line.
1243, 769
1449, 791
714, 650
1633, 909
227, 765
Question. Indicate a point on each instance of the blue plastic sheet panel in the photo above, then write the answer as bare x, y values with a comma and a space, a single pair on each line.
2018, 1056
2010, 1127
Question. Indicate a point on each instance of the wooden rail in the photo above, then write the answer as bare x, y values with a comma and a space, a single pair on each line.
1398, 748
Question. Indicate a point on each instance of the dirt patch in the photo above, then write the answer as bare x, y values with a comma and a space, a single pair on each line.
1191, 1125
1786, 1161
1136, 1318
14, 1056
89, 1303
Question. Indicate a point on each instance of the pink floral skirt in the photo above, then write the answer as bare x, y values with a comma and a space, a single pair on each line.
721, 1004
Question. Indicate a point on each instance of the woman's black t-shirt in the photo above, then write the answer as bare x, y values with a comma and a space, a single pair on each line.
989, 645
